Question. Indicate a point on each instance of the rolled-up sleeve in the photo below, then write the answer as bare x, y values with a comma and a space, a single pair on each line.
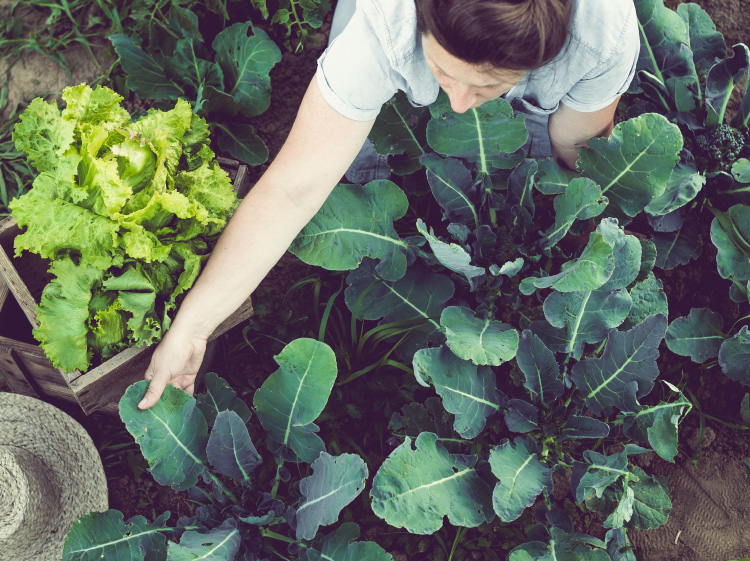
354, 74
611, 76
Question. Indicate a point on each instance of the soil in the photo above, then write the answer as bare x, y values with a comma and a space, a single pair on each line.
710, 486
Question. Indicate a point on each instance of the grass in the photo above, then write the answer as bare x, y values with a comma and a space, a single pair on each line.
15, 174
50, 27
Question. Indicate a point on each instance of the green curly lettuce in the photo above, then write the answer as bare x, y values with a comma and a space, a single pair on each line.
127, 211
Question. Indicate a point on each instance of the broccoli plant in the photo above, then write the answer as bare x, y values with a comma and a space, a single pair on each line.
685, 74
239, 511
538, 320
231, 79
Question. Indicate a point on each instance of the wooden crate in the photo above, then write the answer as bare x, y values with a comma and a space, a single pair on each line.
23, 364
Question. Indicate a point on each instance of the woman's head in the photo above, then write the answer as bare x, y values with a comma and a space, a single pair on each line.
516, 35
479, 49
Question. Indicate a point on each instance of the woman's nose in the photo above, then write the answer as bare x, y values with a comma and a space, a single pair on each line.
462, 97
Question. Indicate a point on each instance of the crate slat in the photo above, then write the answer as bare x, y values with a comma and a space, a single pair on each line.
13, 280
14, 375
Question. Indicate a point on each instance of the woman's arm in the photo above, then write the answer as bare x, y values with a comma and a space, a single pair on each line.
571, 130
320, 147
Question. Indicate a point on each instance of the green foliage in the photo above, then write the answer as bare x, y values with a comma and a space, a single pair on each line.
15, 173
416, 487
173, 438
231, 80
299, 16
50, 28
126, 210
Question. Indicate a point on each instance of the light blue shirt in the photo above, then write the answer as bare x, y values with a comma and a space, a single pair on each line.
379, 52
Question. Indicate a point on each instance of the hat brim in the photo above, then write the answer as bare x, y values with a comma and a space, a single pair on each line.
65, 447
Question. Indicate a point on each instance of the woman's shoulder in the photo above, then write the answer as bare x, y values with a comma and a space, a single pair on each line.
395, 24
603, 27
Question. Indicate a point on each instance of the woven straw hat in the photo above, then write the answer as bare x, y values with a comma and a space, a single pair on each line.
50, 475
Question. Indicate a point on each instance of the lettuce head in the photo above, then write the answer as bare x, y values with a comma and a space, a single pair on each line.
126, 210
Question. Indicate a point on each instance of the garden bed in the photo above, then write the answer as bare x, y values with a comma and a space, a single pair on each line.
708, 481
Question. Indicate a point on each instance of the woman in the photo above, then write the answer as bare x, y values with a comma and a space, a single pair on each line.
565, 63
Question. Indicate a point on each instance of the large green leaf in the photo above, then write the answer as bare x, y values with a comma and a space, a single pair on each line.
63, 314
520, 190
477, 135
697, 335
601, 472
292, 398
682, 187
399, 131
721, 80
340, 545
678, 247
482, 341
586, 317
452, 256
590, 271
242, 142
648, 298
539, 367
453, 188
734, 356
658, 424
419, 296
230, 449
578, 426
730, 233
356, 222
220, 397
416, 488
192, 69
521, 416
706, 43
551, 178
42, 133
104, 535
171, 434
218, 544
147, 75
581, 200
634, 165
618, 544
627, 252
335, 482
625, 371
54, 226
664, 44
644, 498
468, 391
521, 477
562, 547
741, 170
246, 62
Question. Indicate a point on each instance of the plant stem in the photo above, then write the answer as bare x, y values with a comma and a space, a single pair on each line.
459, 534
224, 488
277, 480
274, 536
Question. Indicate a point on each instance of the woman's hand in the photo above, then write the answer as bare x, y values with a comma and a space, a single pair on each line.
175, 361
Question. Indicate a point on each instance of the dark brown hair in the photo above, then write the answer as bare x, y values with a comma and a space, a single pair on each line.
503, 34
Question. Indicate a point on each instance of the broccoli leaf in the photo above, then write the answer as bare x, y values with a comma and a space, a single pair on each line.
522, 477
415, 488
468, 391
626, 369
292, 398
356, 222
